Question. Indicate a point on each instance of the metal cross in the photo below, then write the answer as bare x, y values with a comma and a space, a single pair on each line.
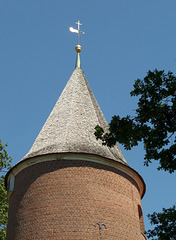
79, 24
100, 226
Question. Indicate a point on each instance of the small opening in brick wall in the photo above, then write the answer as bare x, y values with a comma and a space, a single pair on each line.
141, 220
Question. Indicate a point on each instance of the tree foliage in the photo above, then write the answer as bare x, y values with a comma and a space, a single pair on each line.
154, 122
3, 209
165, 224
5, 164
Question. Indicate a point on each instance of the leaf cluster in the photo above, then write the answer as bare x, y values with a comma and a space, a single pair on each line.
154, 123
166, 224
5, 159
5, 164
3, 209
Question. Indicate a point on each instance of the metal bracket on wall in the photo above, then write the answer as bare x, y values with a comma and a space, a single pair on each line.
100, 225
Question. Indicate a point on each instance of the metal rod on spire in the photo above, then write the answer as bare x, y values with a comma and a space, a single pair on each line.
78, 22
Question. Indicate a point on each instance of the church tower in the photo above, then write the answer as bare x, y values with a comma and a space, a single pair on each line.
69, 186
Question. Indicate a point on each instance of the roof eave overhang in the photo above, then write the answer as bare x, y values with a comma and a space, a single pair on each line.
79, 156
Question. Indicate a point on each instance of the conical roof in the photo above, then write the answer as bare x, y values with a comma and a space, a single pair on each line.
70, 126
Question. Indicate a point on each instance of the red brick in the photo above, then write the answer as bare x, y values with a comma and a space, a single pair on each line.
63, 199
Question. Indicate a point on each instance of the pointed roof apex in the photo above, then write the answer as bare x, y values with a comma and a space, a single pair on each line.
70, 126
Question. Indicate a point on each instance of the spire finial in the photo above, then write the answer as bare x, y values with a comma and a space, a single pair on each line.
78, 47
77, 30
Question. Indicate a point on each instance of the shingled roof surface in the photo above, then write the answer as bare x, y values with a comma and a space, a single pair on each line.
70, 126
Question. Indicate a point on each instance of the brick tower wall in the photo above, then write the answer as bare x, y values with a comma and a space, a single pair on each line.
63, 199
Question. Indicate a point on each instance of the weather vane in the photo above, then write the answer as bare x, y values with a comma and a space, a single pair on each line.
77, 30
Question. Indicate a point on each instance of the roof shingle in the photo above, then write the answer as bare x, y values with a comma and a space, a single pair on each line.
70, 126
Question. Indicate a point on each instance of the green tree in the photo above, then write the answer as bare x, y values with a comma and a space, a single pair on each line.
166, 224
5, 164
155, 125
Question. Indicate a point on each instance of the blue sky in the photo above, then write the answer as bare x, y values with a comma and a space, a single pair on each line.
124, 39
